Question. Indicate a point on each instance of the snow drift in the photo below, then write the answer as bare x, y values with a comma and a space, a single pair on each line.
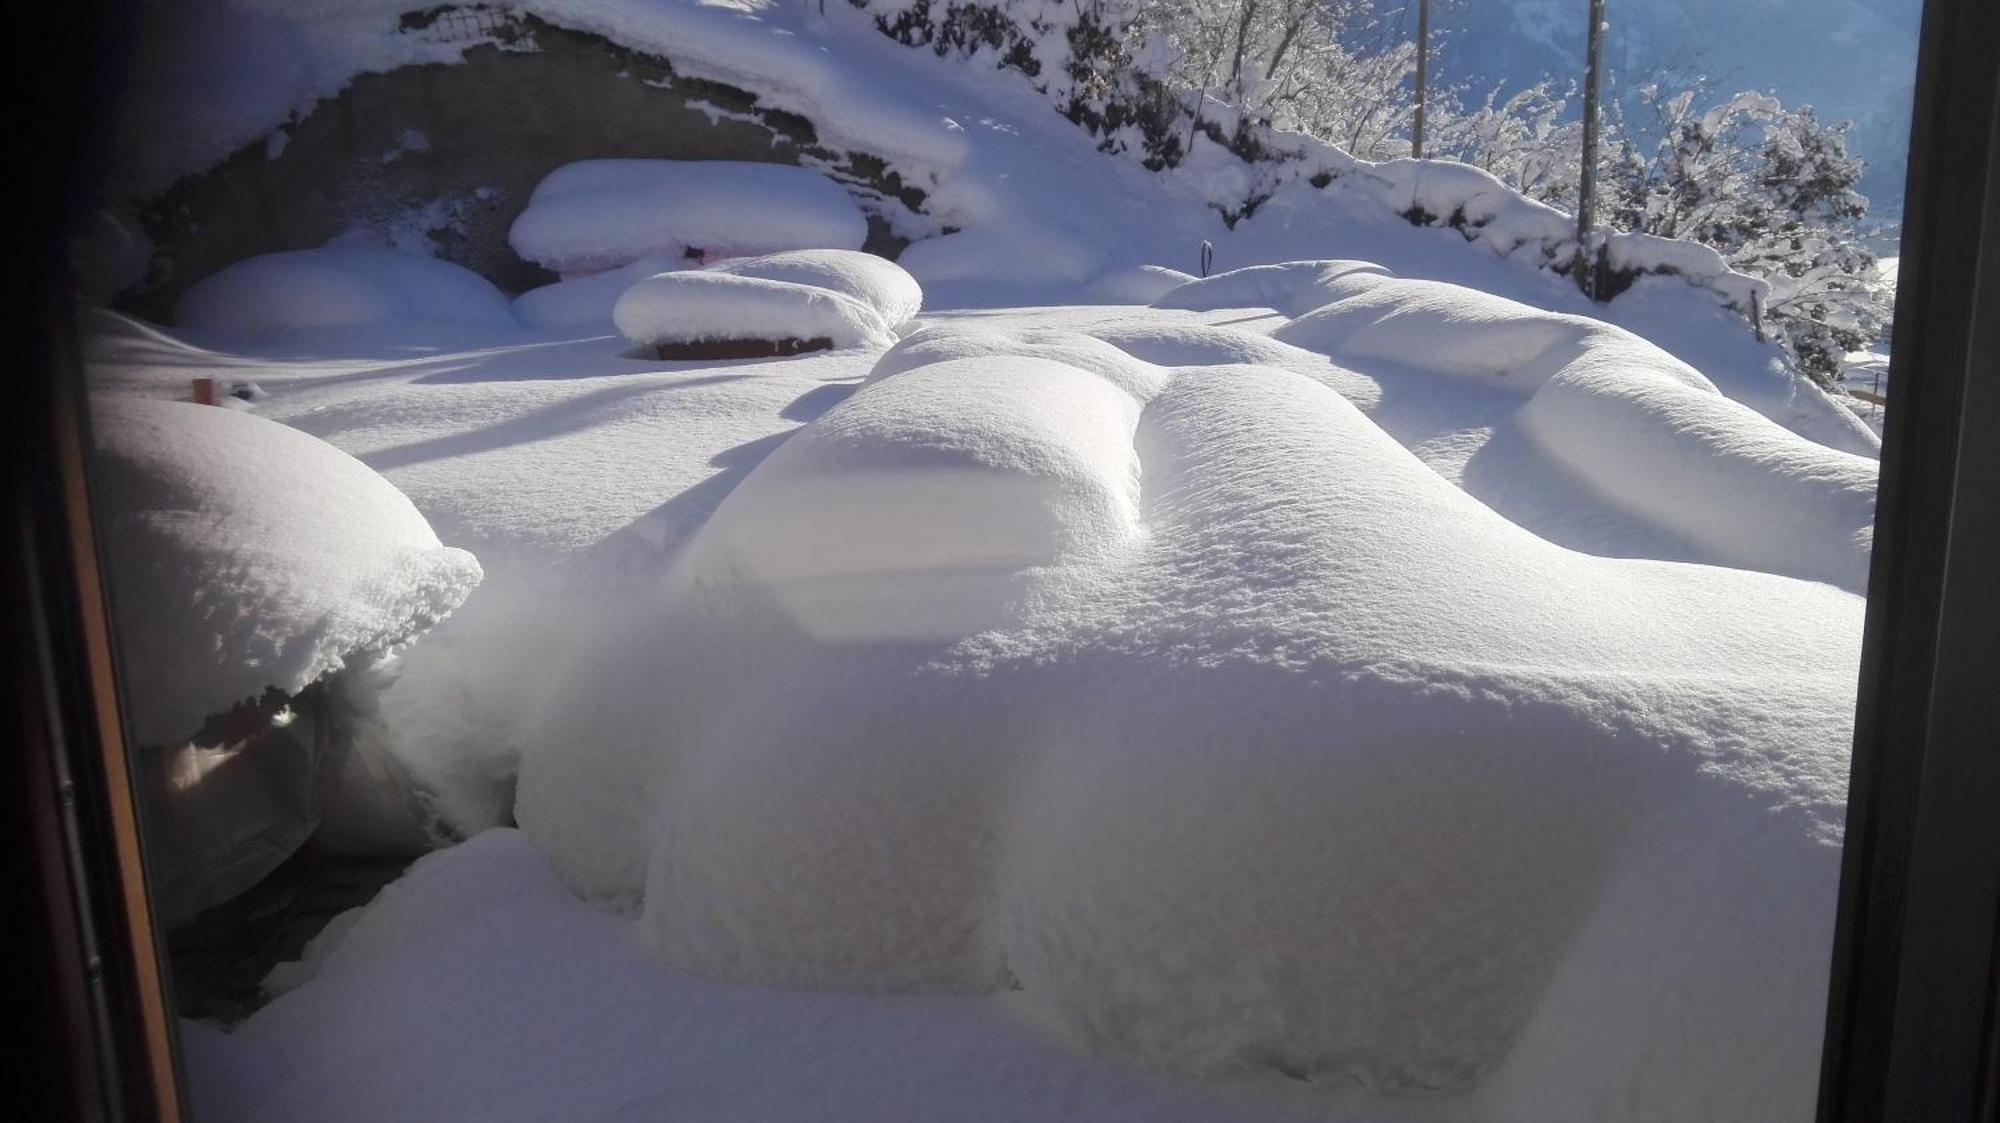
601, 214
339, 287
245, 555
1252, 744
1644, 431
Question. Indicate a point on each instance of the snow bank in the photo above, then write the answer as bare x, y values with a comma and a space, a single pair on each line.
1691, 261
703, 306
880, 284
341, 287
586, 302
1034, 252
1232, 735
939, 343
245, 555
1641, 430
1451, 329
600, 214
478, 988
1138, 284
1749, 493
1291, 287
906, 510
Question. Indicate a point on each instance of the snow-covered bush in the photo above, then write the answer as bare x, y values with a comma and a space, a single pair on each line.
602, 214
1772, 190
339, 287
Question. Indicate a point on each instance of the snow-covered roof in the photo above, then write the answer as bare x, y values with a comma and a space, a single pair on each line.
244, 555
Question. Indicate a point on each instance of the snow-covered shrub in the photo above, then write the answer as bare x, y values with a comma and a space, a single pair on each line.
1081, 57
1772, 190
601, 214
694, 307
342, 287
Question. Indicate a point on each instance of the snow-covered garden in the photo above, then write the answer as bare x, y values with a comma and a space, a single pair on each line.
1021, 680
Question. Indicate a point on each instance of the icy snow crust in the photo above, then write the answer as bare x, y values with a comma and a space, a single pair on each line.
601, 214
250, 556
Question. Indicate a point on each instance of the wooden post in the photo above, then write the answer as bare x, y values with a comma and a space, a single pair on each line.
1423, 77
1586, 184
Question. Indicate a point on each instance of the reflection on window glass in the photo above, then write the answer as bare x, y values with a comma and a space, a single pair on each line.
883, 559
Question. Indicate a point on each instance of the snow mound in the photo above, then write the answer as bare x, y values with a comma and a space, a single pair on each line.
703, 306
246, 555
1138, 284
1001, 674
1291, 287
1472, 199
1747, 492
939, 343
876, 282
341, 287
586, 302
1006, 252
1456, 330
944, 481
600, 214
442, 1000
1646, 432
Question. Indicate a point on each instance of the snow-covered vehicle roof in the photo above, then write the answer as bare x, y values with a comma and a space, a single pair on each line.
245, 555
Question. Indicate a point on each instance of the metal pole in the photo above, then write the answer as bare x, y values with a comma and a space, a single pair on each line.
1586, 184
1423, 76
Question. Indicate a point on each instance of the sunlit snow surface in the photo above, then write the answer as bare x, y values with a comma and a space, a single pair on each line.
1322, 699
1379, 685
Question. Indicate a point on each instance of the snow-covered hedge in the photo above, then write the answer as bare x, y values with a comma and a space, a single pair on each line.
245, 555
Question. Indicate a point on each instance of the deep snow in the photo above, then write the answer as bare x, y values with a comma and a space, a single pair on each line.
1380, 684
1017, 666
